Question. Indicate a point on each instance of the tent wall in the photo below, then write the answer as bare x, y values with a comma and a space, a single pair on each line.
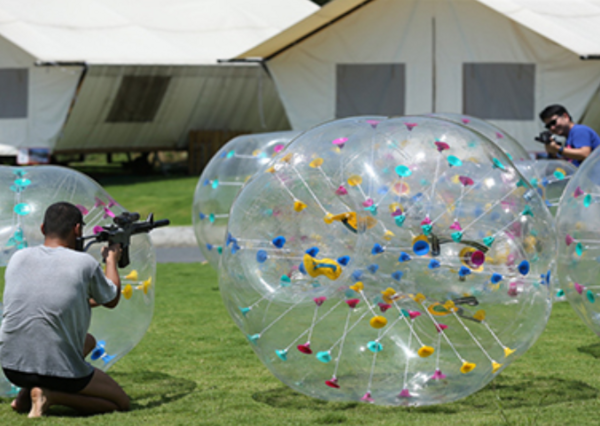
227, 97
38, 100
456, 55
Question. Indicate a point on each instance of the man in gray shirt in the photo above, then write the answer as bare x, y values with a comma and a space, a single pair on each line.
48, 295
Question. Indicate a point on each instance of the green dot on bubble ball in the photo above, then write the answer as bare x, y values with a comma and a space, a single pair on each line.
403, 171
22, 209
498, 164
590, 296
454, 161
23, 183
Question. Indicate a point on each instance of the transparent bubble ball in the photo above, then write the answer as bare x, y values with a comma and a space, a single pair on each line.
400, 261
220, 182
579, 242
25, 193
511, 147
549, 177
7, 389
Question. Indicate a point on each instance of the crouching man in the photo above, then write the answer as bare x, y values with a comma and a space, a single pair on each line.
48, 295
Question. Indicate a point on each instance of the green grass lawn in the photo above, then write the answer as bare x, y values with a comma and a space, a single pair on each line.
194, 367
168, 196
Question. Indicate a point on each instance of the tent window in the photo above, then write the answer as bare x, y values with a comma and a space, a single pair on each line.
499, 91
14, 87
364, 89
138, 99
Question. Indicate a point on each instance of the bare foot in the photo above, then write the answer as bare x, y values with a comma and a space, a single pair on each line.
39, 403
22, 402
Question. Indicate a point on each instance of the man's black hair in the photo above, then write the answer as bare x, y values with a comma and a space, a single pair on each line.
60, 219
552, 110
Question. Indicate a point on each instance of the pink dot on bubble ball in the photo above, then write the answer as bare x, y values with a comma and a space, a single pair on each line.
465, 180
339, 141
477, 258
441, 146
278, 148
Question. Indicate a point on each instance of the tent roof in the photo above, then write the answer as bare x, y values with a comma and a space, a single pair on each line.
131, 32
575, 26
323, 17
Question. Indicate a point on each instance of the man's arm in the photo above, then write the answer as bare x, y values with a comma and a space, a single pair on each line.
111, 254
578, 154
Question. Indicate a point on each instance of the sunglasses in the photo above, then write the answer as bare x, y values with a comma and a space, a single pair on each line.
550, 124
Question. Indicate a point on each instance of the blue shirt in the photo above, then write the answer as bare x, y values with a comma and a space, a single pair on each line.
581, 135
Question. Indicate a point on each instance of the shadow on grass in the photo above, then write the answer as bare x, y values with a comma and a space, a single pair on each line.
147, 389
514, 394
593, 350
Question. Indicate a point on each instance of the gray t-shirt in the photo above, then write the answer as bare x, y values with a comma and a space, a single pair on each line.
47, 312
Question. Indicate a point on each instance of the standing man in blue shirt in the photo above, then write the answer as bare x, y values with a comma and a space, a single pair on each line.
581, 139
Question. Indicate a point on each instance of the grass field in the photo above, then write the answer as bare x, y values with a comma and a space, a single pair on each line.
167, 196
194, 367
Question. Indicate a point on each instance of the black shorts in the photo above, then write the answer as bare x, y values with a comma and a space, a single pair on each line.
59, 384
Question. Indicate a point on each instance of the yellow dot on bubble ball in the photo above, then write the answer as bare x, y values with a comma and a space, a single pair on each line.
287, 157
425, 351
133, 275
467, 367
127, 291
419, 298
479, 315
354, 180
358, 287
378, 322
317, 162
299, 206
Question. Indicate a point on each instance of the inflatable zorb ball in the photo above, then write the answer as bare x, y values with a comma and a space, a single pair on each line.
549, 177
7, 389
579, 242
221, 181
506, 142
25, 193
398, 261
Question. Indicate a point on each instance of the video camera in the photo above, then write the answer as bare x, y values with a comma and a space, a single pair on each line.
545, 137
125, 225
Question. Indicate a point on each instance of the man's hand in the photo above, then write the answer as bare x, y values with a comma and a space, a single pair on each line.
112, 253
552, 148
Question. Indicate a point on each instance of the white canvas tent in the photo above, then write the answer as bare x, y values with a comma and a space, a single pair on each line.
142, 72
501, 60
